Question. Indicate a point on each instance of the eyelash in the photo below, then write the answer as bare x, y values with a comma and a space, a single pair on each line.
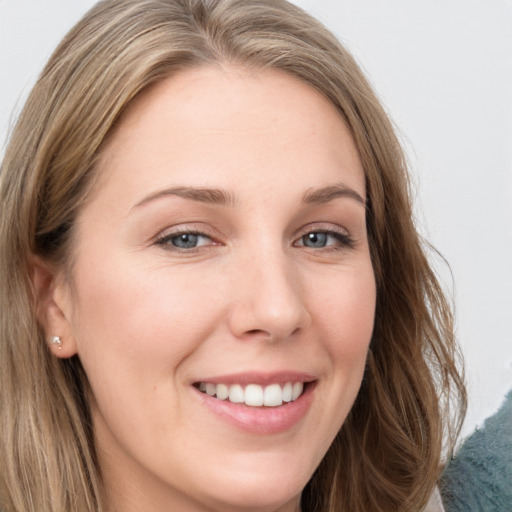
345, 241
166, 239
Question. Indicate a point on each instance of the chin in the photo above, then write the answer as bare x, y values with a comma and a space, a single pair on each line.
268, 487
262, 499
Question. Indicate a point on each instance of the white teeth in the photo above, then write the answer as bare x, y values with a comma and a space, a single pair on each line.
236, 393
297, 390
222, 391
273, 395
287, 392
255, 395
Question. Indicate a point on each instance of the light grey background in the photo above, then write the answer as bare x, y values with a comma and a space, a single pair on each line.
443, 69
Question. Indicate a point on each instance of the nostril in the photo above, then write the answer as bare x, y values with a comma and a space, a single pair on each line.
258, 331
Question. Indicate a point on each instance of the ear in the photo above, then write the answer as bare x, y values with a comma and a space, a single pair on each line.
53, 307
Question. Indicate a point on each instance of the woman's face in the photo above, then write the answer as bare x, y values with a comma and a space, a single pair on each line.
223, 251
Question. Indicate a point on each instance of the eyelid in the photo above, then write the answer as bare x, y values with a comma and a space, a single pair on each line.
343, 234
340, 232
324, 228
163, 236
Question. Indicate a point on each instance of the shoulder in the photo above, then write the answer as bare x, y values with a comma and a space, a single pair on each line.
479, 477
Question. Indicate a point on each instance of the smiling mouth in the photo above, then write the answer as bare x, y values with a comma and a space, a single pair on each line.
254, 395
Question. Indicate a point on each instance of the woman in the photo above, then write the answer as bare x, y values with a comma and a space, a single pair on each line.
214, 296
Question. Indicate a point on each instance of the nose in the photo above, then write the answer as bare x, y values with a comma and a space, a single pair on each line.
269, 301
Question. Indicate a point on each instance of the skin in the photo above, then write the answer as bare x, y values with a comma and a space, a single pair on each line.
149, 319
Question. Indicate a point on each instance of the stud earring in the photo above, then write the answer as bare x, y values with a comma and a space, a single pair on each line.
55, 340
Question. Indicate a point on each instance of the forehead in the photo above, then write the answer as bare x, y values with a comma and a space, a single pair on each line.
236, 120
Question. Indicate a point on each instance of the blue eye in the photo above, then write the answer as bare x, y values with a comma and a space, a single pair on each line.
185, 240
325, 239
315, 240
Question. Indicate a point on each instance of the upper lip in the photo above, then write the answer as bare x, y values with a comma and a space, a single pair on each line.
261, 378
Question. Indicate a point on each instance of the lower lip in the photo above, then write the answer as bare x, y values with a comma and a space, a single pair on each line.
261, 420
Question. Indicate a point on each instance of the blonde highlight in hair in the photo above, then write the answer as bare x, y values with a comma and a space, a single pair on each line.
387, 454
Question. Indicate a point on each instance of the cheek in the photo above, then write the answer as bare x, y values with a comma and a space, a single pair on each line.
344, 308
140, 320
343, 311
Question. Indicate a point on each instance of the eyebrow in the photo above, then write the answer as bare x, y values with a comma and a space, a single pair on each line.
327, 194
217, 196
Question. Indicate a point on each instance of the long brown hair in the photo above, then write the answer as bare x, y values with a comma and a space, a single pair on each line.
387, 454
